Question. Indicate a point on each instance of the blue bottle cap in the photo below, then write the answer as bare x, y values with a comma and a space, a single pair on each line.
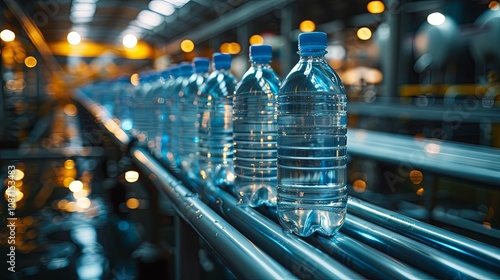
261, 53
201, 64
221, 61
175, 70
186, 69
312, 42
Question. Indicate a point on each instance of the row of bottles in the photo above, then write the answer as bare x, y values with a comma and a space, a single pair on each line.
269, 142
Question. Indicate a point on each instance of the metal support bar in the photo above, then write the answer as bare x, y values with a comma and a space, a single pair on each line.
457, 245
240, 255
290, 250
368, 261
479, 164
415, 253
239, 16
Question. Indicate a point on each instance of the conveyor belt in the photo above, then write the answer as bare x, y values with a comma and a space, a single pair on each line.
373, 243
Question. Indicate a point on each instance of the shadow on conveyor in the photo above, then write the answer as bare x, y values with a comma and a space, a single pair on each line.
72, 212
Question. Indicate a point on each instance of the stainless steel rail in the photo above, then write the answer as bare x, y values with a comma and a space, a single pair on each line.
479, 164
470, 250
302, 258
368, 261
99, 113
415, 253
374, 242
240, 255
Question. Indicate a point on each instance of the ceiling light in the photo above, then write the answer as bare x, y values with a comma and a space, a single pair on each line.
7, 35
436, 18
150, 18
375, 7
74, 38
30, 61
364, 33
161, 7
256, 40
129, 41
307, 26
187, 46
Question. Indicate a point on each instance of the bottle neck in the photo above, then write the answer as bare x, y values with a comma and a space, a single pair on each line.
259, 63
313, 58
312, 52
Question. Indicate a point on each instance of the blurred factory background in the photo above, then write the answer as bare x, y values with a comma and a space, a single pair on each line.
423, 86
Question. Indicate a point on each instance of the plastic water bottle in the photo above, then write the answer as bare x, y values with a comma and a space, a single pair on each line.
177, 91
170, 103
124, 102
312, 194
216, 124
255, 131
188, 107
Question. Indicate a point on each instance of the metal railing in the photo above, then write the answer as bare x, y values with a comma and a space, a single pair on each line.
373, 243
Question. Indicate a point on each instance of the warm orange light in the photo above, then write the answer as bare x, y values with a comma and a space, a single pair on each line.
420, 191
307, 26
69, 164
67, 181
234, 48
134, 79
19, 174
416, 177
70, 110
256, 40
359, 186
375, 7
494, 5
224, 48
132, 203
364, 33
30, 62
187, 46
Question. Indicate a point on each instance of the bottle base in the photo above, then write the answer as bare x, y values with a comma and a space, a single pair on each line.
255, 195
305, 222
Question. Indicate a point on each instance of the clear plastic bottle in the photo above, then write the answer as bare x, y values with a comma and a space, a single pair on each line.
255, 131
170, 104
188, 107
185, 69
124, 102
312, 194
216, 124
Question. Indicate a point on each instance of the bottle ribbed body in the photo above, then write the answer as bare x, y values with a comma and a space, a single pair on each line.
189, 123
216, 127
255, 135
312, 194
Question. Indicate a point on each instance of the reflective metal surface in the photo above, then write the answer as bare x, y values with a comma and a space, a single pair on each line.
455, 244
243, 258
